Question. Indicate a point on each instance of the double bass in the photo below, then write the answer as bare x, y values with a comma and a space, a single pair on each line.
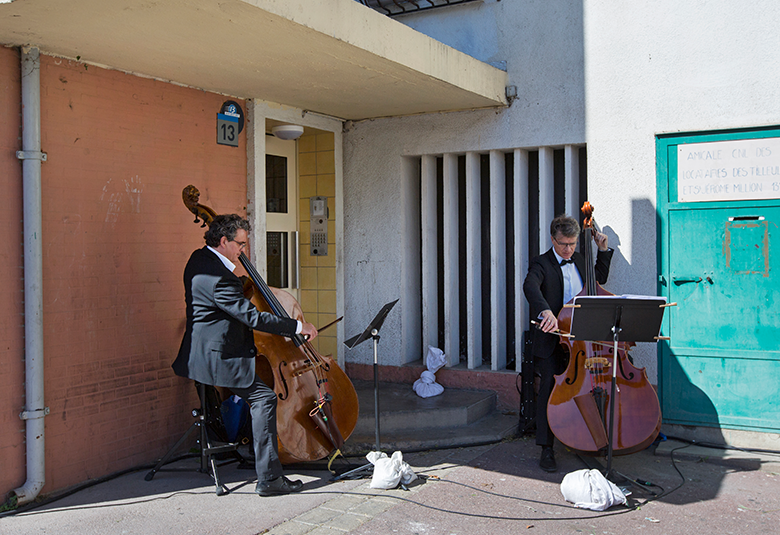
579, 405
317, 407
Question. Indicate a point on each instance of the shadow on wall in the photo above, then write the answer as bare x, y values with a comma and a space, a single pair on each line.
691, 403
638, 275
676, 391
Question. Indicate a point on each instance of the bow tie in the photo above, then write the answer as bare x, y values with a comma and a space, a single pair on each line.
565, 261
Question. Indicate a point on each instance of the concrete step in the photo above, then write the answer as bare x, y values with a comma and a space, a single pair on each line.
401, 408
408, 422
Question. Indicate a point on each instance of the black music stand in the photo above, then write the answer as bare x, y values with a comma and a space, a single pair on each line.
372, 331
628, 318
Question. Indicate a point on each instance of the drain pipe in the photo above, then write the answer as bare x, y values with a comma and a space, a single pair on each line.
32, 157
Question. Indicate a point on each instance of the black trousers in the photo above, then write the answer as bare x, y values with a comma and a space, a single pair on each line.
546, 369
262, 406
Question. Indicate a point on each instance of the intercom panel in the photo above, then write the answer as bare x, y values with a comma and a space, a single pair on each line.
318, 209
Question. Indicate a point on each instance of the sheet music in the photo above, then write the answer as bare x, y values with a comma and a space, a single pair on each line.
632, 296
638, 317
624, 296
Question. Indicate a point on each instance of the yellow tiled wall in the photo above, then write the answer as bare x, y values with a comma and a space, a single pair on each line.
317, 172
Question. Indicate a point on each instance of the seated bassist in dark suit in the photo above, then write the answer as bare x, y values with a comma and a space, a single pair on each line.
218, 348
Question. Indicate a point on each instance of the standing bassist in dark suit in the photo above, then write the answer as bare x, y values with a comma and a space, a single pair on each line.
218, 348
553, 279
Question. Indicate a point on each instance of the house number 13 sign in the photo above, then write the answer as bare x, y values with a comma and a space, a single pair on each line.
230, 122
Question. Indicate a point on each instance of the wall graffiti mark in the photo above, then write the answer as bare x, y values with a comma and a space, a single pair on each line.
115, 195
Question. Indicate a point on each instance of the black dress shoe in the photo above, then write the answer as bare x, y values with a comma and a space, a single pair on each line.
547, 460
280, 485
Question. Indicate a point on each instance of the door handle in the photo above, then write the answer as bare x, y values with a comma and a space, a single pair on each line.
678, 282
296, 264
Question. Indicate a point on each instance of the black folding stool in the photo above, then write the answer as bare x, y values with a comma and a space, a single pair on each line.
205, 419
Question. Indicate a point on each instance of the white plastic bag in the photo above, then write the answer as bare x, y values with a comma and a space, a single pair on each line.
435, 359
389, 471
426, 386
589, 489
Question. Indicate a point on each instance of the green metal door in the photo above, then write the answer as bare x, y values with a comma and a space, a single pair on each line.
720, 262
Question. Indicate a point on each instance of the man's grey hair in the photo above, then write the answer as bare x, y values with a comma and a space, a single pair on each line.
225, 225
566, 226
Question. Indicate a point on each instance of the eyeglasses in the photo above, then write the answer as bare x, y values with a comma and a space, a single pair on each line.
570, 245
241, 244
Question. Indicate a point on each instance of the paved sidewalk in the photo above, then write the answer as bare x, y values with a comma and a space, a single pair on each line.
493, 490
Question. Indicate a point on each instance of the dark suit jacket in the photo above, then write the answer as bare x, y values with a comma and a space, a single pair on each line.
218, 346
543, 288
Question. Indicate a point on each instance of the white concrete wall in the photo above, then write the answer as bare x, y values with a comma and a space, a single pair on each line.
612, 75
666, 66
541, 44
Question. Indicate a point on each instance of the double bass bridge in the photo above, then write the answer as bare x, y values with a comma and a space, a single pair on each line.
597, 364
594, 365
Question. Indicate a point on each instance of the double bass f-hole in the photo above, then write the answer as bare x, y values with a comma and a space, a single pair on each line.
283, 395
630, 375
572, 380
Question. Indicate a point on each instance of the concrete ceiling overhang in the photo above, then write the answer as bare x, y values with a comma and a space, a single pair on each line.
334, 57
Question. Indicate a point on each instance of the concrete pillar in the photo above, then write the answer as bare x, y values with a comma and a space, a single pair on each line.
520, 223
450, 267
473, 260
546, 197
410, 306
572, 180
430, 303
498, 260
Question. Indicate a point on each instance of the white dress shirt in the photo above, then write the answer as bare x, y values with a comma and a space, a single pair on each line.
572, 282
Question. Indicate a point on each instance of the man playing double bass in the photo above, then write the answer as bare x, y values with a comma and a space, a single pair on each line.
553, 279
218, 348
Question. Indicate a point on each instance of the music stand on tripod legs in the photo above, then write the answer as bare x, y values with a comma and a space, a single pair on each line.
619, 318
372, 331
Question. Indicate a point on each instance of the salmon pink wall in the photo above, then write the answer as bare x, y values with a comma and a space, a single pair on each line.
116, 236
11, 298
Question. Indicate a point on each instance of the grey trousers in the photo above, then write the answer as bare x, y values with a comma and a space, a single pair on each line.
262, 406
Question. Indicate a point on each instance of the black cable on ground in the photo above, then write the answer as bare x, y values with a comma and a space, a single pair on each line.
12, 508
587, 514
593, 514
722, 446
688, 443
38, 502
674, 465
597, 514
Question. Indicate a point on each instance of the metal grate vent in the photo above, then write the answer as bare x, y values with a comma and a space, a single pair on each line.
399, 7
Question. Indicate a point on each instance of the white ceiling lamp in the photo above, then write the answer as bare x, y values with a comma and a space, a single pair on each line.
287, 131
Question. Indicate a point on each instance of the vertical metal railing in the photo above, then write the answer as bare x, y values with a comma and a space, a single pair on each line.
502, 303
